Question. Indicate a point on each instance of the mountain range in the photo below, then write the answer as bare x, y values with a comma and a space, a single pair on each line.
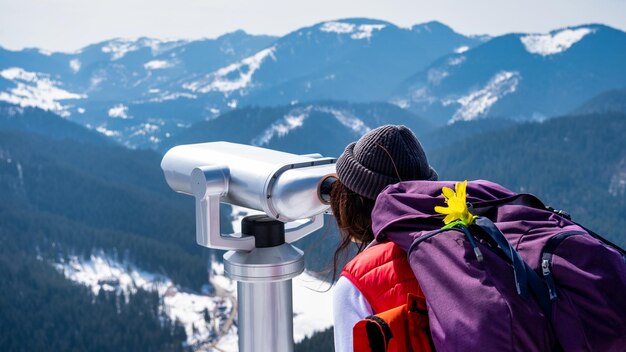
520, 76
142, 92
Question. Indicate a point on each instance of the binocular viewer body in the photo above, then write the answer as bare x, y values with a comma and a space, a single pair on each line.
287, 187
292, 190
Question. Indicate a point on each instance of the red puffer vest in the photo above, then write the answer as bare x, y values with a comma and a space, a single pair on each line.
383, 275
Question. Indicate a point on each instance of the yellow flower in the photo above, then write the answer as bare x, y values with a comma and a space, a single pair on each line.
457, 205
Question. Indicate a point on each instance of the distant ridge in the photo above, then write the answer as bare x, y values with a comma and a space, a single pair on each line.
45, 123
142, 92
609, 101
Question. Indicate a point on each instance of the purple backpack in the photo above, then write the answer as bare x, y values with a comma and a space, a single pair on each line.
522, 278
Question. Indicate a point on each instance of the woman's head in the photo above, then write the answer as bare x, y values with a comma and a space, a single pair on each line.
386, 155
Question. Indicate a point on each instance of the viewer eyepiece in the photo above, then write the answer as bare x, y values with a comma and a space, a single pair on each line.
326, 186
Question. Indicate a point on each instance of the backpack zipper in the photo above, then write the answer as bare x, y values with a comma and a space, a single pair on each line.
546, 259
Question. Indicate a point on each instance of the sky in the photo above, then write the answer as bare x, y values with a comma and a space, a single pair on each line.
67, 25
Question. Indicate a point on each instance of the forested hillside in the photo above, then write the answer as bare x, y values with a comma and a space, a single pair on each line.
40, 310
63, 198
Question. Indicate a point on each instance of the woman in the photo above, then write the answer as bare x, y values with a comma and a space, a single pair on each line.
379, 277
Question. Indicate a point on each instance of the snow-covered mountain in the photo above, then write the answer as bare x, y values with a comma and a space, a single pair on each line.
142, 92
350, 59
523, 76
128, 70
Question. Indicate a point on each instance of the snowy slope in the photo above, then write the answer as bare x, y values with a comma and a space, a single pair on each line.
312, 299
521, 76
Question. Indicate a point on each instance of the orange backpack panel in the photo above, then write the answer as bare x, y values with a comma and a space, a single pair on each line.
400, 329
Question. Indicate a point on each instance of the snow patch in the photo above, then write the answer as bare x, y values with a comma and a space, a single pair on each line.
36, 90
347, 119
157, 65
401, 103
478, 102
170, 96
102, 273
337, 27
555, 42
75, 65
20, 174
312, 300
19, 74
99, 272
422, 95
144, 129
457, 60
232, 77
461, 49
119, 48
617, 185
109, 133
363, 31
97, 78
294, 119
312, 306
119, 111
435, 76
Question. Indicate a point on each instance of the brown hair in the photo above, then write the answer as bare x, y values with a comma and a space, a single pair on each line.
353, 213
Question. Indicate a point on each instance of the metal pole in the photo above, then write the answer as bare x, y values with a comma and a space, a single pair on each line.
264, 287
265, 316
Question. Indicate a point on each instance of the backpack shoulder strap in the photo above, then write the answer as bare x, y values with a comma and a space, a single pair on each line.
525, 277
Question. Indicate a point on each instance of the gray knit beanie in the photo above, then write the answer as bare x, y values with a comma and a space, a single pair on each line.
383, 156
